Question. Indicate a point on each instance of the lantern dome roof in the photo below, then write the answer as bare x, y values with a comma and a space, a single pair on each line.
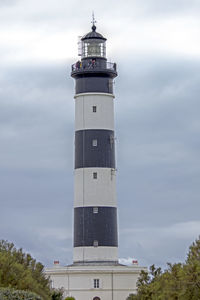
93, 35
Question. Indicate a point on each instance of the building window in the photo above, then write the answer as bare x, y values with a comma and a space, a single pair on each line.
95, 175
94, 143
94, 108
95, 210
96, 283
95, 243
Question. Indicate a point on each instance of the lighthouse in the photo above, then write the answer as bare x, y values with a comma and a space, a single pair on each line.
95, 273
95, 208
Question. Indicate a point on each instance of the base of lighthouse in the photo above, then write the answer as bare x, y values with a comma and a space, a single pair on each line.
95, 282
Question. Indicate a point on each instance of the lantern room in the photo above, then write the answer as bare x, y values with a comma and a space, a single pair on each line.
93, 44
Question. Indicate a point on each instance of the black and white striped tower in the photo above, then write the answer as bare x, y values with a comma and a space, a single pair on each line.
95, 209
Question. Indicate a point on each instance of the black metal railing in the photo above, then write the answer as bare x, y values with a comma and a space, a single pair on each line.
91, 65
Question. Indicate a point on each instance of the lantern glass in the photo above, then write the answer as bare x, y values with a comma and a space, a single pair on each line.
93, 48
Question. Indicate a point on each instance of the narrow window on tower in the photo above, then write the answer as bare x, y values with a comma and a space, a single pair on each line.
96, 283
94, 143
95, 210
94, 108
95, 175
95, 243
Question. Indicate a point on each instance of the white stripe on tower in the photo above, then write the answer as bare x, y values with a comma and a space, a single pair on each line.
95, 192
86, 118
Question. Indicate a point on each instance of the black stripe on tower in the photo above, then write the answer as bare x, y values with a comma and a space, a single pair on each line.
94, 78
90, 226
93, 84
94, 148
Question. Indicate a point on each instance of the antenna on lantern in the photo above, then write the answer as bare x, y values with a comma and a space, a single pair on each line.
93, 22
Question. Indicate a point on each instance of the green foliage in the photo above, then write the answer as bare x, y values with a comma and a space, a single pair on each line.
57, 294
177, 282
70, 298
132, 297
20, 271
11, 294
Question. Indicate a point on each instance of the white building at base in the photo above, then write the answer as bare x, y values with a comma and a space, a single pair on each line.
103, 282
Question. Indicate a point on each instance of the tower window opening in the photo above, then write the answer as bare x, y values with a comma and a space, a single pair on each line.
95, 243
95, 175
112, 139
96, 283
94, 143
95, 210
94, 109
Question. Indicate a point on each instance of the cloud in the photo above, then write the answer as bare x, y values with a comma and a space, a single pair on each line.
44, 247
172, 242
5, 3
157, 124
157, 152
36, 137
171, 7
128, 261
34, 35
36, 113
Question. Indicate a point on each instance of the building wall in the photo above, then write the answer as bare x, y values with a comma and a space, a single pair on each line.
116, 283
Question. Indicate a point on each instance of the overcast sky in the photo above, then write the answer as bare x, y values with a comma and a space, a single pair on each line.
156, 45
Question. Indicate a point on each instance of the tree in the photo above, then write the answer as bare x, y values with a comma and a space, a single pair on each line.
20, 271
192, 271
132, 297
193, 256
11, 294
177, 282
57, 294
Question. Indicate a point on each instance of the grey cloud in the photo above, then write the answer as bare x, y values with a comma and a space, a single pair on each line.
172, 7
157, 119
35, 115
149, 242
5, 3
43, 247
158, 149
157, 153
36, 174
55, 19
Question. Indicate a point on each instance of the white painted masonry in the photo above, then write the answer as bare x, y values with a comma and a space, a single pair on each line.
85, 118
95, 253
116, 282
94, 192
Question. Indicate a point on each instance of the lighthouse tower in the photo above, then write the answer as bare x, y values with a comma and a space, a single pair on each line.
95, 273
95, 208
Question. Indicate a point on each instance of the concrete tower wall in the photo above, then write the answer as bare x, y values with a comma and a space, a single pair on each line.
92, 254
87, 118
95, 208
95, 192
